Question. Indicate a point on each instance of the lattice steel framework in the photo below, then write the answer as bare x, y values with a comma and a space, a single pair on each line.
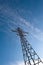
29, 54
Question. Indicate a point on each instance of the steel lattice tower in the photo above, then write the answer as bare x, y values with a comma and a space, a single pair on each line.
29, 55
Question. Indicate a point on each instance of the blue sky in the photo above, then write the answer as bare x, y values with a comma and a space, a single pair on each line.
27, 14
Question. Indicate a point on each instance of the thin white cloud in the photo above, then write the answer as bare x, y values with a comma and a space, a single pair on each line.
19, 63
15, 19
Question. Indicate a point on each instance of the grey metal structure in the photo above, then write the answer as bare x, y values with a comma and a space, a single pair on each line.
29, 54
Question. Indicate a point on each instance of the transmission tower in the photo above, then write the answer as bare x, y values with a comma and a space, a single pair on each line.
29, 54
